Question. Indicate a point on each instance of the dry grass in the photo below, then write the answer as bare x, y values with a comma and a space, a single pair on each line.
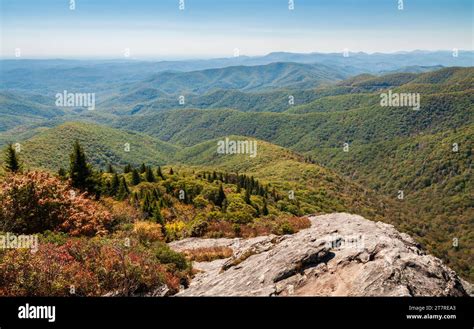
299, 223
224, 229
208, 254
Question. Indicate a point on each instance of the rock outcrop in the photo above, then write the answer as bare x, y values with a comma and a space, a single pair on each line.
339, 255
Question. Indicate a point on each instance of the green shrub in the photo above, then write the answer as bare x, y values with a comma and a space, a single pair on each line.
200, 202
58, 238
166, 255
239, 217
198, 226
237, 229
284, 228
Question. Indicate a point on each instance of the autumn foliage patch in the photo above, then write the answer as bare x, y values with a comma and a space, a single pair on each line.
36, 201
86, 267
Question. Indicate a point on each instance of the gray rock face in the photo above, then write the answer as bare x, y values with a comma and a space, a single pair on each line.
340, 255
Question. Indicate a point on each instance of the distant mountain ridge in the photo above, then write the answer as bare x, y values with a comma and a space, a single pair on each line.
245, 78
288, 84
41, 75
387, 60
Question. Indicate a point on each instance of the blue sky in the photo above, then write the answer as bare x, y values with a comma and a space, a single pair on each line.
214, 28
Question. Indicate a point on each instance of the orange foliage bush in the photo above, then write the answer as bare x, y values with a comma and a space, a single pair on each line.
122, 212
36, 201
148, 231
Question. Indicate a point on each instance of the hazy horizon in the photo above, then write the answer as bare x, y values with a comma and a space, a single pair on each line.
218, 57
208, 29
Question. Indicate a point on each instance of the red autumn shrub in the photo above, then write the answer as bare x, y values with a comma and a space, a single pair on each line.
51, 271
87, 267
36, 201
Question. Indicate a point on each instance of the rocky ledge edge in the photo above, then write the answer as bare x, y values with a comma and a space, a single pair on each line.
339, 255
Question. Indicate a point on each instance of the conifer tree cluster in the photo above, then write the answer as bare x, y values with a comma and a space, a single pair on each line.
118, 187
150, 202
242, 181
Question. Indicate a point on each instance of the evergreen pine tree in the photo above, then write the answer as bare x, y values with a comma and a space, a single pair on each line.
147, 206
12, 162
220, 196
224, 206
125, 185
171, 171
110, 169
142, 168
247, 196
159, 173
127, 168
157, 214
135, 177
123, 190
149, 175
241, 181
79, 171
265, 208
114, 185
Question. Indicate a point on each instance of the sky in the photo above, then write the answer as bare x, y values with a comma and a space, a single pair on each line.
216, 28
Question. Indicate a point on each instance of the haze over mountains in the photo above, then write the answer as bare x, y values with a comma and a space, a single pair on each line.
302, 109
46, 75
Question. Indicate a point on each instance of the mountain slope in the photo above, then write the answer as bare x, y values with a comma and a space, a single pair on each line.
19, 109
268, 101
318, 189
436, 181
308, 131
50, 148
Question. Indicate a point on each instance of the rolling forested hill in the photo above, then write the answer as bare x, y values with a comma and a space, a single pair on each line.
50, 148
